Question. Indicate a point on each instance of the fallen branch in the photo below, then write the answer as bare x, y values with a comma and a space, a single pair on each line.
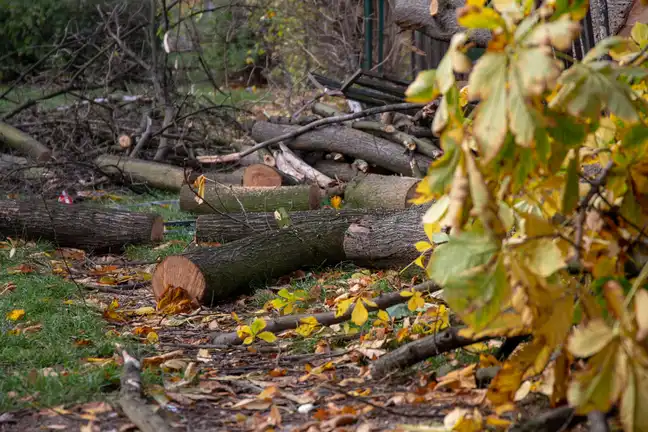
230, 199
130, 397
78, 226
299, 131
338, 170
378, 191
419, 350
262, 156
291, 322
410, 142
351, 142
227, 228
154, 174
24, 143
557, 419
303, 168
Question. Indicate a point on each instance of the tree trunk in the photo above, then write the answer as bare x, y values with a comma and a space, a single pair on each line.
230, 199
337, 170
345, 140
154, 174
78, 226
214, 274
224, 228
378, 191
386, 242
24, 143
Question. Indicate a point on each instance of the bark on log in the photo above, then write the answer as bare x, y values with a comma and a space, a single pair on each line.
345, 140
262, 156
230, 199
303, 168
327, 318
337, 170
214, 274
324, 110
385, 242
230, 227
417, 351
78, 226
24, 143
154, 174
378, 191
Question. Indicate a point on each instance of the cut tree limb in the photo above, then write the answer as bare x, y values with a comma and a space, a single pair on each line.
214, 274
24, 143
231, 199
130, 397
78, 226
154, 174
302, 167
325, 110
327, 318
228, 227
262, 156
410, 142
385, 242
379, 191
337, 170
357, 144
417, 351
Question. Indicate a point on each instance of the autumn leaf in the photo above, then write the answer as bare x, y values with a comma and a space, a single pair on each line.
359, 315
423, 89
16, 314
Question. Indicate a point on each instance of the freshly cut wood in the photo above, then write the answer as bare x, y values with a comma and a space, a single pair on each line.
229, 199
337, 170
154, 174
225, 228
379, 191
386, 241
260, 175
214, 274
24, 143
355, 143
78, 226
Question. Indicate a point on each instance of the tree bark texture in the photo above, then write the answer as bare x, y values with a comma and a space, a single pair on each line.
225, 228
337, 170
345, 140
386, 242
154, 174
213, 274
230, 199
379, 191
78, 226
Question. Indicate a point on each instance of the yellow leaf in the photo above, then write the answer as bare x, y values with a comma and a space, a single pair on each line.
336, 202
589, 339
406, 293
145, 310
383, 315
342, 307
257, 325
267, 336
423, 89
16, 314
248, 340
641, 308
423, 246
471, 16
152, 337
360, 314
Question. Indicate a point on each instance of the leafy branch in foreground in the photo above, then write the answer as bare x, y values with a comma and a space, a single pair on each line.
536, 243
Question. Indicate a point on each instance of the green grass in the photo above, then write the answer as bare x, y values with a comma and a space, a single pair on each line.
65, 320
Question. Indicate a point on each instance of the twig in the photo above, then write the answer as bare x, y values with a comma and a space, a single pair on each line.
145, 138
234, 157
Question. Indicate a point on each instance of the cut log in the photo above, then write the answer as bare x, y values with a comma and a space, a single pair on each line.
260, 175
24, 143
78, 226
214, 274
225, 228
154, 174
386, 242
226, 178
307, 171
357, 144
337, 170
410, 142
230, 199
378, 191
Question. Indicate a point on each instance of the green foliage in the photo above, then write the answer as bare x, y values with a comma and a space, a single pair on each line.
516, 162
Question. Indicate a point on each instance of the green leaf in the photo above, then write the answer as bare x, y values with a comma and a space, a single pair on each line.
442, 170
570, 193
521, 118
490, 124
604, 46
639, 33
257, 325
424, 88
636, 137
480, 83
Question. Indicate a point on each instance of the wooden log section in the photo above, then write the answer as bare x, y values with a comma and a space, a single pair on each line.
154, 174
351, 142
337, 170
230, 199
24, 143
260, 175
78, 226
225, 228
379, 191
386, 242
214, 274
